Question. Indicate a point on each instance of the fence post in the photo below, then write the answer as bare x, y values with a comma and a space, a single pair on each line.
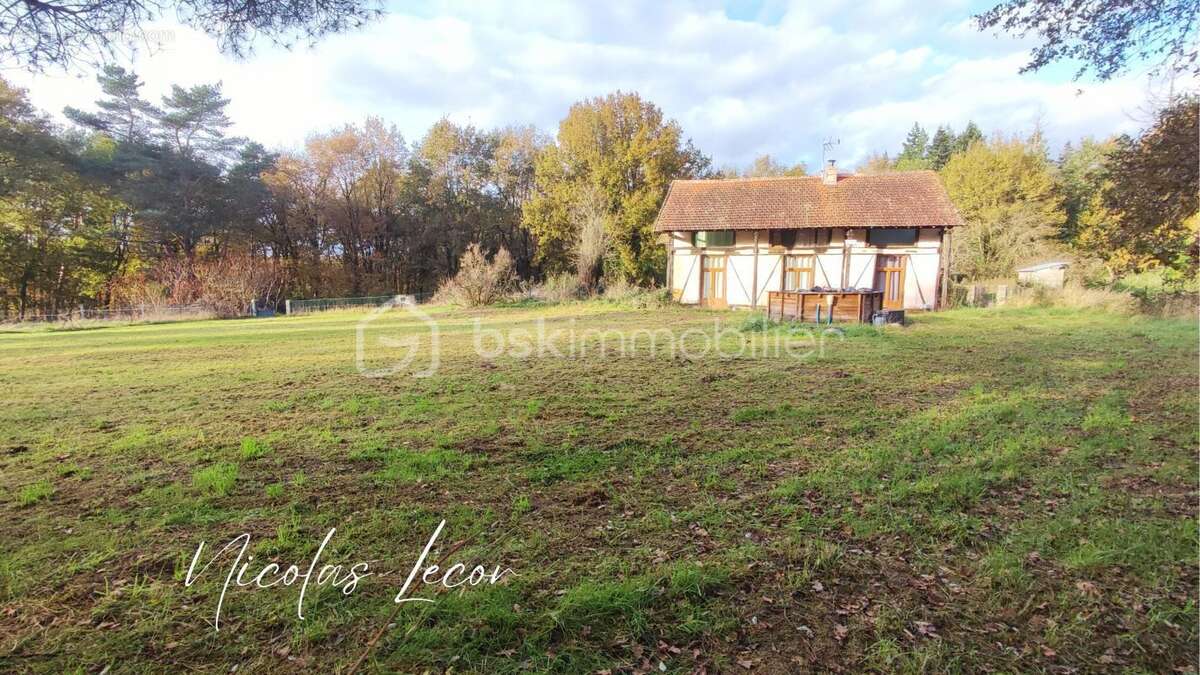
287, 307
253, 308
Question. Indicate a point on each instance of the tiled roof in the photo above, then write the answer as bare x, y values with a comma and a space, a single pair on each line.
900, 199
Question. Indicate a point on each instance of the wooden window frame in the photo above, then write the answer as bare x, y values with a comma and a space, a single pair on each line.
790, 269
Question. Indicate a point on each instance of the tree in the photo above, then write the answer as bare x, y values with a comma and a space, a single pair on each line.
1147, 214
55, 224
123, 115
875, 163
43, 33
1083, 173
913, 153
591, 220
765, 166
1105, 36
968, 137
941, 147
1006, 193
192, 122
623, 146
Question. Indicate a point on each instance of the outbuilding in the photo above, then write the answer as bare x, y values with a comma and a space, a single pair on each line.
1049, 274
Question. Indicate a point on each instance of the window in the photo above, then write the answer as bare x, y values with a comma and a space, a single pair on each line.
784, 238
712, 280
707, 238
798, 272
801, 238
892, 236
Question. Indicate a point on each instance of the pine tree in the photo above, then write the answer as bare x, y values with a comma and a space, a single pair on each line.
912, 155
941, 147
970, 135
123, 115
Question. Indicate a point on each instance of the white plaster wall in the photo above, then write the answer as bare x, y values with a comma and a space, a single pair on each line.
685, 277
770, 275
920, 283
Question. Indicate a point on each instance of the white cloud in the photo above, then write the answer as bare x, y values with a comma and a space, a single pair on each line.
807, 71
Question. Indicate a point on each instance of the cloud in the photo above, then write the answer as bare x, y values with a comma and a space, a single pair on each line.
764, 77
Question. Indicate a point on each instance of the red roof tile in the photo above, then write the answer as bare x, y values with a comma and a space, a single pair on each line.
901, 199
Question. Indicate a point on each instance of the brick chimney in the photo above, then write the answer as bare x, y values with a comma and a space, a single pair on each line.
830, 176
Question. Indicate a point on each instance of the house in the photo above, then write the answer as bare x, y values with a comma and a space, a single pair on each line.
745, 242
1049, 274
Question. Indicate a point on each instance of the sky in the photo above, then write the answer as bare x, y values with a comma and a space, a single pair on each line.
743, 78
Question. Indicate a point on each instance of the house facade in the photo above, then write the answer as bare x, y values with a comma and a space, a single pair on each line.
731, 242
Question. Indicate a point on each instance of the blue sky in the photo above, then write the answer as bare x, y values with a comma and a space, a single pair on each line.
743, 78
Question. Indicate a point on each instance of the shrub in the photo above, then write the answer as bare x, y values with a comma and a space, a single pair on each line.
223, 286
622, 292
1076, 296
479, 281
591, 217
558, 288
1161, 292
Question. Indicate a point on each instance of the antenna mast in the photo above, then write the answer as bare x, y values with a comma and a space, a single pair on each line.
829, 144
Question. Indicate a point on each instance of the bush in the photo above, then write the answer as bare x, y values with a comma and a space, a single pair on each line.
1076, 296
558, 288
223, 286
479, 281
622, 292
1161, 292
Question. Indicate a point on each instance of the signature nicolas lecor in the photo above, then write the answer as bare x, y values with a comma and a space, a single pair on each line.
242, 572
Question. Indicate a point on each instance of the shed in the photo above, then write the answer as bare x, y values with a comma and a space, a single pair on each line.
1049, 274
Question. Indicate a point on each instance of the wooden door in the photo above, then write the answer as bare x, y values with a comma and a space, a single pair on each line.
712, 281
889, 278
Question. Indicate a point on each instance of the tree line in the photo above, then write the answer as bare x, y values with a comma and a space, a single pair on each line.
1117, 205
155, 202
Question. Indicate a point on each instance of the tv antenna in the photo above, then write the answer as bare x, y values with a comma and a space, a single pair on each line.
829, 144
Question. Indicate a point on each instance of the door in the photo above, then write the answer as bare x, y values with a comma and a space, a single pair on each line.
712, 281
889, 278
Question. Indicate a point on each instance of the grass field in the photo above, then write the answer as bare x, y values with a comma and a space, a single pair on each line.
983, 489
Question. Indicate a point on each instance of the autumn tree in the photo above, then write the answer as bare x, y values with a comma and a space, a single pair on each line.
623, 146
1006, 192
765, 166
55, 223
1142, 203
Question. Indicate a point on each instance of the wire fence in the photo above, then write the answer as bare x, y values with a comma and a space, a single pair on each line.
153, 312
146, 312
367, 301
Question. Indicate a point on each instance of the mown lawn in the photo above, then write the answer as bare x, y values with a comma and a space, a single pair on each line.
1011, 490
